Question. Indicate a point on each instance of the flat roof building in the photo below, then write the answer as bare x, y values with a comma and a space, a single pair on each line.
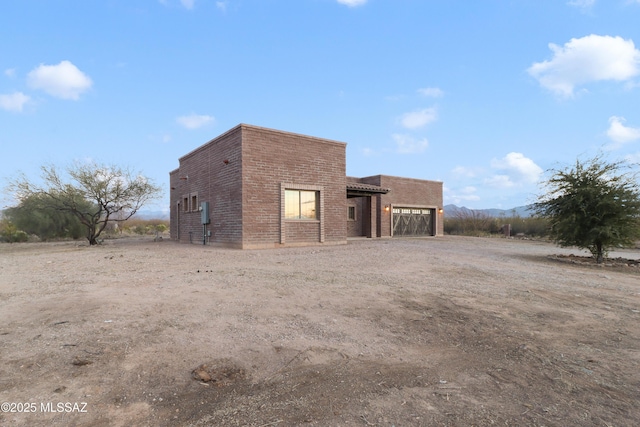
254, 187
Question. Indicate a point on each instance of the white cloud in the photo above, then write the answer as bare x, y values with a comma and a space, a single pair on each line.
517, 169
587, 59
352, 3
585, 5
433, 92
463, 171
10, 72
500, 181
195, 121
14, 101
420, 118
406, 144
63, 81
621, 134
188, 4
466, 194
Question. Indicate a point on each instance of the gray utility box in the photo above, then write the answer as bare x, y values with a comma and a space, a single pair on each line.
204, 211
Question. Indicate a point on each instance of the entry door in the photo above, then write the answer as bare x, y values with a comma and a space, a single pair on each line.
413, 222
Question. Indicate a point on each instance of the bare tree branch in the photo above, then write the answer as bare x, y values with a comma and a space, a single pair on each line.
94, 193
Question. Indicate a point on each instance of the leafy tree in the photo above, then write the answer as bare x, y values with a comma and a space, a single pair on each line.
39, 214
593, 205
94, 193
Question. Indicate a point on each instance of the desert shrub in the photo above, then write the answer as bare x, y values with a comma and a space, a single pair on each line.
530, 226
475, 223
140, 229
468, 222
145, 226
9, 233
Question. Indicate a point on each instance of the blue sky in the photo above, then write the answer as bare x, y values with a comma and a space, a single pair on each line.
482, 95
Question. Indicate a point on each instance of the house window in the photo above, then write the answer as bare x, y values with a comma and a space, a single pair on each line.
351, 213
300, 204
185, 204
194, 202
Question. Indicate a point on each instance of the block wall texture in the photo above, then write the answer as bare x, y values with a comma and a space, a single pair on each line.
305, 232
356, 228
366, 214
408, 192
173, 201
271, 158
214, 173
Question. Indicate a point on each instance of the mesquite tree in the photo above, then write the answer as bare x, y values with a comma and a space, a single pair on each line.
93, 193
593, 205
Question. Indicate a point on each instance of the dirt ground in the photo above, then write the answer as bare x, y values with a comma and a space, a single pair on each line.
448, 331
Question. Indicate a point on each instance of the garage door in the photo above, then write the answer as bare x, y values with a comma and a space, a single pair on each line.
413, 221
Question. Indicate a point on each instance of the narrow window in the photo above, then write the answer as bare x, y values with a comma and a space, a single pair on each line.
351, 213
194, 203
308, 205
291, 204
185, 204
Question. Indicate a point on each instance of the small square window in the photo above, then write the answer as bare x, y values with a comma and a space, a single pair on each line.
351, 213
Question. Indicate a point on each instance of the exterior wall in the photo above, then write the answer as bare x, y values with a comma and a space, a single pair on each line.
244, 173
356, 228
173, 204
274, 161
214, 173
365, 222
406, 192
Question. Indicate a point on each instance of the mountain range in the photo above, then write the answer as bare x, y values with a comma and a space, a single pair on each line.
151, 214
521, 211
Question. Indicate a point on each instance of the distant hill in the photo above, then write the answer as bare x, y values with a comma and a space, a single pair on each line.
143, 214
521, 211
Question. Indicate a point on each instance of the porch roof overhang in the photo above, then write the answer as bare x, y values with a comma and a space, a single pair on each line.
356, 189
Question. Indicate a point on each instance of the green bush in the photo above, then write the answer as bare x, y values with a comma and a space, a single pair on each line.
36, 215
145, 226
9, 233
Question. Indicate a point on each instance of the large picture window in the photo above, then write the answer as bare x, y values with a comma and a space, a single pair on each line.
300, 204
